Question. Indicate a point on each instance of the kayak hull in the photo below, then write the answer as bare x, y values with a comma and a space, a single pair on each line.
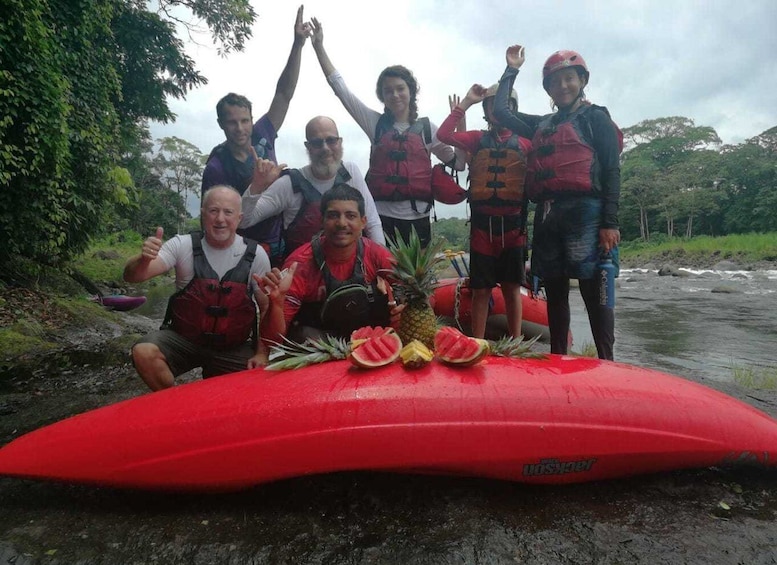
550, 421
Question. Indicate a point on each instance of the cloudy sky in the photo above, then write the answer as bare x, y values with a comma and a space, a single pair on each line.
713, 61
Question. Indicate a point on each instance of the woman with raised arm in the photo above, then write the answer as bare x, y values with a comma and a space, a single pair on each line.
573, 174
400, 173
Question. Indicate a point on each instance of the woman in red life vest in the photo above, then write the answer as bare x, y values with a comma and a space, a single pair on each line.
400, 173
574, 177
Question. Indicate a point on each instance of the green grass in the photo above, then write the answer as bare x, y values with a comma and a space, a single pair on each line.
749, 248
756, 378
588, 349
104, 260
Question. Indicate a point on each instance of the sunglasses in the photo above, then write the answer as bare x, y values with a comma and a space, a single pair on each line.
318, 143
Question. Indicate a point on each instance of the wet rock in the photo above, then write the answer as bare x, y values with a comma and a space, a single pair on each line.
726, 265
671, 271
725, 289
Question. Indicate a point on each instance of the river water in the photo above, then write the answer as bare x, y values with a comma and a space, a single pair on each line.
699, 325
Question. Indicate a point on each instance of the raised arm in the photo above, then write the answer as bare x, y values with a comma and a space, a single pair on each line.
317, 39
450, 131
522, 124
287, 83
148, 264
366, 117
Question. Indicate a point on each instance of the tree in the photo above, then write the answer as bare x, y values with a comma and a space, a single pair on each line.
178, 164
698, 195
659, 174
150, 203
640, 187
79, 80
748, 174
454, 230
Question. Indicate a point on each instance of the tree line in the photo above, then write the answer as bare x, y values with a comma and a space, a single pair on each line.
679, 180
80, 80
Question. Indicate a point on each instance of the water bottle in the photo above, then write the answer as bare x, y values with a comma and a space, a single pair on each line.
606, 272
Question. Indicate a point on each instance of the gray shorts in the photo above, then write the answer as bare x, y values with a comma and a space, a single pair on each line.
182, 355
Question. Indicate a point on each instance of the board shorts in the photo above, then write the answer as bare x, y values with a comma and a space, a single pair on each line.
183, 355
566, 238
497, 250
423, 228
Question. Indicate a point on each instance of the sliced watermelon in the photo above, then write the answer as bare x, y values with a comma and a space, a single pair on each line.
453, 347
376, 351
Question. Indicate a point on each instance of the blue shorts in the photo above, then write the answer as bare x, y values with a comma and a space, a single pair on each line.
566, 238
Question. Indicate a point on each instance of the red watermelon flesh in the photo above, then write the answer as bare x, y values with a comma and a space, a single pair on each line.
453, 347
376, 351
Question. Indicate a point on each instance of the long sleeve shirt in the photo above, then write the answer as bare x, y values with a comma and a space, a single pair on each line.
605, 142
367, 119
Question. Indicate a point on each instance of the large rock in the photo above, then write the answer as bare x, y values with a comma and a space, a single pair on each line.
670, 271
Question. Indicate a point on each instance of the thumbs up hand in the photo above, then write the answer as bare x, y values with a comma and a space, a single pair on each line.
152, 245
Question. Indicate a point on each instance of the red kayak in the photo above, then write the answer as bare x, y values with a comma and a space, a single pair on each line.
555, 420
453, 300
120, 302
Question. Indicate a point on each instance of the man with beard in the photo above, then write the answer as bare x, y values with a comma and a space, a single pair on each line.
296, 193
334, 283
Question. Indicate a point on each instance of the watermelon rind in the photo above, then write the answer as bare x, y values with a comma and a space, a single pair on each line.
376, 351
454, 348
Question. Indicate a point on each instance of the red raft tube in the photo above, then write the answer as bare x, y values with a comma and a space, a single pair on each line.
453, 301
555, 420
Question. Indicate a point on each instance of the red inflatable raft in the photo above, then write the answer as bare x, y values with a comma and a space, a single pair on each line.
554, 420
453, 301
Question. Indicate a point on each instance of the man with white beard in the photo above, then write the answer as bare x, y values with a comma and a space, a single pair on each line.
297, 192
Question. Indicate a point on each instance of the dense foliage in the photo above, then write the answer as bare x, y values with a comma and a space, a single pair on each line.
78, 81
678, 180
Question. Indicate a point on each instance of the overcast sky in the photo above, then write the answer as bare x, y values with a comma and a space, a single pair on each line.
713, 61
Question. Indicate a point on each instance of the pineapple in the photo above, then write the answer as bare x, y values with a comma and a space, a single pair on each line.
292, 355
415, 274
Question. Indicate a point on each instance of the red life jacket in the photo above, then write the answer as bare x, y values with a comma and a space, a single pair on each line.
307, 222
496, 175
349, 304
400, 164
211, 312
562, 160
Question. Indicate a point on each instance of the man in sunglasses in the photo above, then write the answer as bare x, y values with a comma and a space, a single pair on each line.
232, 162
296, 193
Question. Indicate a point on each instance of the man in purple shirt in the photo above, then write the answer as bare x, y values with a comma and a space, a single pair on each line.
232, 162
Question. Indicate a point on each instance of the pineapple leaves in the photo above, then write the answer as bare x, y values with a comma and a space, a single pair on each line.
293, 355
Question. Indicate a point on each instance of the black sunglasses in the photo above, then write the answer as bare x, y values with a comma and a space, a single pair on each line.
318, 143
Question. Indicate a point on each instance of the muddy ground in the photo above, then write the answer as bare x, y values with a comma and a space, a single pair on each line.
705, 516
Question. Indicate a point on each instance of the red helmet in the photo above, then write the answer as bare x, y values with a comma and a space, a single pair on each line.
561, 60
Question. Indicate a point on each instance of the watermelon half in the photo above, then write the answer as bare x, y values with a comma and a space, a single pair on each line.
453, 347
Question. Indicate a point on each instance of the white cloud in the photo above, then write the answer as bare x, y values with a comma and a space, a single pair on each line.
709, 60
